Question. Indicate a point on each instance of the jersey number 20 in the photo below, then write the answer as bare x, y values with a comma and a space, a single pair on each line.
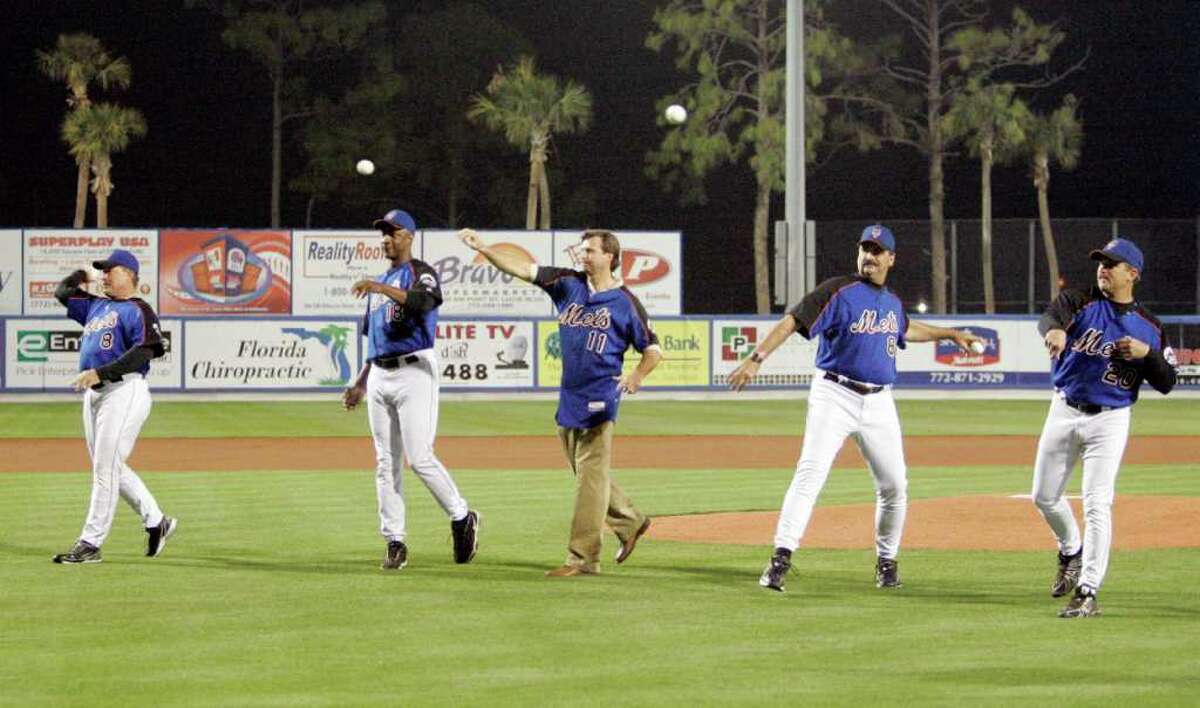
1118, 376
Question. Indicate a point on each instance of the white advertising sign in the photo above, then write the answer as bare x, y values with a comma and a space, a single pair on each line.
326, 263
472, 286
792, 364
52, 254
491, 354
651, 266
1013, 356
44, 354
270, 354
10, 272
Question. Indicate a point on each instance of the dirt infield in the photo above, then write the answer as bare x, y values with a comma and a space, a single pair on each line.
539, 452
958, 523
985, 522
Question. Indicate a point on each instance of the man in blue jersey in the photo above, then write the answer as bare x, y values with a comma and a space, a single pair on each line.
120, 336
400, 383
861, 325
1103, 344
598, 319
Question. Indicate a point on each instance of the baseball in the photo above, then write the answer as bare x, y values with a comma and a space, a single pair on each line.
365, 167
675, 113
978, 347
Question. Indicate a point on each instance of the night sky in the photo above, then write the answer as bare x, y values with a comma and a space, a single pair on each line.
206, 158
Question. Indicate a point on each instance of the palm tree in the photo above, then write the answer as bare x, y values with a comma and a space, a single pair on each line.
1057, 138
992, 123
95, 134
80, 60
529, 108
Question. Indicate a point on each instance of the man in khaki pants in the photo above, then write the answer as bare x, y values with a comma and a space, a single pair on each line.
598, 319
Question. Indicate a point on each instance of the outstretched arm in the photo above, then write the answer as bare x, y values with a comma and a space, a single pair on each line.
922, 332
506, 263
748, 369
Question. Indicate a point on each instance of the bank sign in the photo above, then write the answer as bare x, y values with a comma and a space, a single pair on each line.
271, 354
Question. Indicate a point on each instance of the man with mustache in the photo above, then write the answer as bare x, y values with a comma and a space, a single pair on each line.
861, 325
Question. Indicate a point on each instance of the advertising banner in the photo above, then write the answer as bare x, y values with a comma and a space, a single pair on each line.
270, 354
651, 266
472, 286
219, 271
44, 354
10, 272
53, 254
326, 263
792, 364
1183, 335
1014, 356
684, 344
492, 354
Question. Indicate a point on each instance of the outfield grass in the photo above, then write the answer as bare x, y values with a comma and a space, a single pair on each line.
638, 417
270, 594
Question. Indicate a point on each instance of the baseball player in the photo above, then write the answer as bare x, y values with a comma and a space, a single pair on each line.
598, 319
861, 324
400, 383
1103, 344
120, 336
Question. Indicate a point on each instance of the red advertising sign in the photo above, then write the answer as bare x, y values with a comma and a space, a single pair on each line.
223, 271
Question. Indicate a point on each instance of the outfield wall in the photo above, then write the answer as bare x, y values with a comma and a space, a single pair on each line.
231, 354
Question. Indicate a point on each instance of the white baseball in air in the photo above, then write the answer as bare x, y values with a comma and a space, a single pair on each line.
365, 167
675, 113
978, 347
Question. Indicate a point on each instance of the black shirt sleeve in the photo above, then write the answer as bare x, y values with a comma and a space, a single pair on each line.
69, 287
426, 292
1058, 314
810, 307
152, 332
128, 363
643, 320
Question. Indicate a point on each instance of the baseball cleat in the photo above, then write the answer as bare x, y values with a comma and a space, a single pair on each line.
156, 536
1068, 574
81, 552
397, 556
1083, 604
887, 573
466, 537
772, 577
627, 546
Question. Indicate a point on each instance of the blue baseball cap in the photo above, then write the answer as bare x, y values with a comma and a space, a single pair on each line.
119, 257
879, 234
1121, 250
397, 219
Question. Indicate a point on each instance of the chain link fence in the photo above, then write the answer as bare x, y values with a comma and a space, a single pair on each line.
1171, 284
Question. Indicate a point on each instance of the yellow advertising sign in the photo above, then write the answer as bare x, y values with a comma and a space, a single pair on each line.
685, 346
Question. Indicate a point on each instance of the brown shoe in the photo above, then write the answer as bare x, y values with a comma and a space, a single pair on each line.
569, 571
626, 548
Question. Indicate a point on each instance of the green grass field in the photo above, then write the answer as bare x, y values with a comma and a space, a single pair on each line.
270, 594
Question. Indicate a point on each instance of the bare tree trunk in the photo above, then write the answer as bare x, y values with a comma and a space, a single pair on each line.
989, 285
937, 148
81, 192
312, 200
102, 187
1041, 180
544, 191
762, 283
532, 193
276, 146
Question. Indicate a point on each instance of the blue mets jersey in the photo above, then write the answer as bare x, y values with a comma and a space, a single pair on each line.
594, 330
861, 325
1088, 371
113, 327
393, 329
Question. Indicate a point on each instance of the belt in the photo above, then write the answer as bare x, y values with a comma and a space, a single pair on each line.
104, 384
1087, 408
859, 388
395, 362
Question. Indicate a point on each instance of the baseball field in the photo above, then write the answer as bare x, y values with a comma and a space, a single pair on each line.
271, 593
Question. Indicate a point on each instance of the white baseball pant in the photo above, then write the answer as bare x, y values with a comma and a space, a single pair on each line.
112, 419
834, 413
402, 405
1100, 439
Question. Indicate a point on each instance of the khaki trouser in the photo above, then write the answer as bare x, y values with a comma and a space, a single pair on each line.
597, 498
